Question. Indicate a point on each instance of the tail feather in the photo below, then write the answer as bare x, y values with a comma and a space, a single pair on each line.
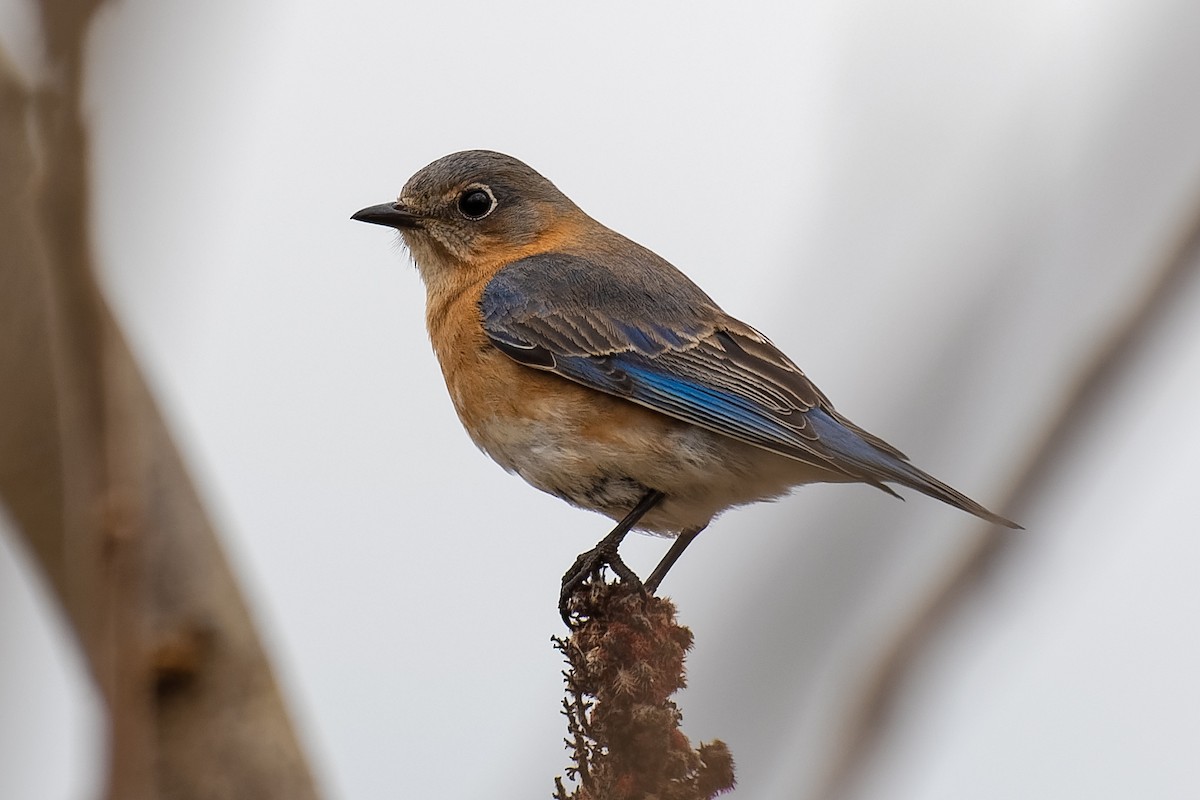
874, 461
906, 474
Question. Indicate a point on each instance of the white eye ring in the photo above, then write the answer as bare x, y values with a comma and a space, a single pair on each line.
476, 201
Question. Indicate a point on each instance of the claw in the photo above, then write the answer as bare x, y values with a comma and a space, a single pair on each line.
589, 564
605, 555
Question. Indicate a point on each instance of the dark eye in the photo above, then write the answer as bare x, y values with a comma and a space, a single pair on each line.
476, 202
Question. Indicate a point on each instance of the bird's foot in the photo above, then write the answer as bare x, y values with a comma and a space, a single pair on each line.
588, 564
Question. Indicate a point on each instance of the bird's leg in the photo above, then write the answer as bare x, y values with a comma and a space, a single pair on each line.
677, 547
606, 553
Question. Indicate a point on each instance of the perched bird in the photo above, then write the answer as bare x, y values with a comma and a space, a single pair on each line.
601, 374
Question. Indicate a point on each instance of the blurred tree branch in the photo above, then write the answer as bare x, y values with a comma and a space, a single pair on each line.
98, 492
1083, 400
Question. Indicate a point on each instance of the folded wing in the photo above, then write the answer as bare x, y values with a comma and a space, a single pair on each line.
671, 349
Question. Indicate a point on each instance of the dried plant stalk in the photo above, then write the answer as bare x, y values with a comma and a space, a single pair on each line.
625, 661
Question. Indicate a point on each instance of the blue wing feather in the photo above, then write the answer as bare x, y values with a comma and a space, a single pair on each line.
668, 350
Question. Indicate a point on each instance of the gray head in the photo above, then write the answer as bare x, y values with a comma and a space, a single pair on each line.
473, 208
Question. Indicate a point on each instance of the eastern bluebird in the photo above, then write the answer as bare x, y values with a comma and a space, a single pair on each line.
601, 374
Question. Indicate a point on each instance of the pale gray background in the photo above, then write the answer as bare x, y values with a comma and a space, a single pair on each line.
938, 209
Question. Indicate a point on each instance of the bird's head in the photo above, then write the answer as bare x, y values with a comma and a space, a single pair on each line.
474, 210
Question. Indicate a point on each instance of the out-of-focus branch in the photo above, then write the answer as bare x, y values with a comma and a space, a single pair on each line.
625, 661
96, 488
1096, 382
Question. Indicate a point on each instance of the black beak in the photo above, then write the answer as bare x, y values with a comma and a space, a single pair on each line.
393, 215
